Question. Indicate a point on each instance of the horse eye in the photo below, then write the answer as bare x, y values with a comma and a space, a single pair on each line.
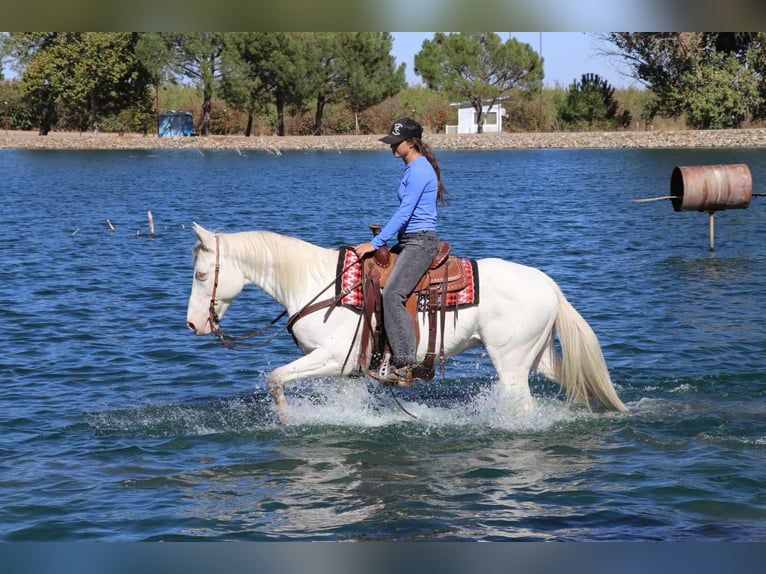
200, 276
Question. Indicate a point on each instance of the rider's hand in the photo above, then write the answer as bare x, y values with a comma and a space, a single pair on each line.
363, 249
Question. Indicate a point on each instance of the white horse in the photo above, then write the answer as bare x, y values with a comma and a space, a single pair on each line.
520, 311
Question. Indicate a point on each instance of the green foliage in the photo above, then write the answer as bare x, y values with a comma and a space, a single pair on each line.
532, 112
175, 96
341, 82
725, 94
430, 107
478, 67
354, 68
369, 74
589, 103
714, 79
79, 78
243, 84
277, 71
16, 114
288, 70
197, 56
756, 56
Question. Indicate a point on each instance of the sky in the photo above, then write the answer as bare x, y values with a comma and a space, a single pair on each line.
566, 56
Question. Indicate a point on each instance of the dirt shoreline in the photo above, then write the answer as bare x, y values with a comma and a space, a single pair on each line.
743, 138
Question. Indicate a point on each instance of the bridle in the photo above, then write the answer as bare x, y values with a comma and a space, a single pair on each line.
212, 318
312, 306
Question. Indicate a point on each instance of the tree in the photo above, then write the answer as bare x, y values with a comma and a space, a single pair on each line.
243, 83
369, 70
323, 53
478, 67
266, 66
32, 52
284, 72
3, 53
725, 95
429, 107
589, 101
355, 68
756, 56
156, 57
197, 56
712, 77
359, 70
85, 75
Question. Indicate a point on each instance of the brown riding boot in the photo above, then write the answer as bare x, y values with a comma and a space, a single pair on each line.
394, 376
401, 376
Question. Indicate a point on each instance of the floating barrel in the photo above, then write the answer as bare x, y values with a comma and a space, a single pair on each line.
711, 187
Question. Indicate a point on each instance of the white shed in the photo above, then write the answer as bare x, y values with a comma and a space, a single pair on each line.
492, 120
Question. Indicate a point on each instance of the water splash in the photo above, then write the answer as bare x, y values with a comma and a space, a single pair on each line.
228, 415
346, 403
356, 404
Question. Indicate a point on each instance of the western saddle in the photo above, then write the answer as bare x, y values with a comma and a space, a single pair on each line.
446, 274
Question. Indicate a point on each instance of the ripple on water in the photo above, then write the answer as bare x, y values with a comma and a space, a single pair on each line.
118, 424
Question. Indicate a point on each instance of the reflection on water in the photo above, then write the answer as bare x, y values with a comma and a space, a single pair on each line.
717, 304
350, 461
711, 268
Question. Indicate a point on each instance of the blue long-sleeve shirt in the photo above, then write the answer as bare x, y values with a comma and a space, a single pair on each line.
417, 202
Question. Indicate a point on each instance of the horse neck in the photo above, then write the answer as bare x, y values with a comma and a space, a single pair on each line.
288, 269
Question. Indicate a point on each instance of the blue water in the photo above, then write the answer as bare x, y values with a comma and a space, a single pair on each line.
118, 424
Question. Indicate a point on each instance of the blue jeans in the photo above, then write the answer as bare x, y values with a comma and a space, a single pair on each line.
415, 253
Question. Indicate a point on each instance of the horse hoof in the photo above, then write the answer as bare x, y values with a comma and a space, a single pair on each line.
281, 412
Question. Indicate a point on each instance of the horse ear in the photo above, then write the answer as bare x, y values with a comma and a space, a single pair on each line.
202, 234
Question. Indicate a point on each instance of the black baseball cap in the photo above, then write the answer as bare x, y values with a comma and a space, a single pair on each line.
401, 130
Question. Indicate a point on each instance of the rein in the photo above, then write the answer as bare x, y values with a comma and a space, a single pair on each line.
230, 341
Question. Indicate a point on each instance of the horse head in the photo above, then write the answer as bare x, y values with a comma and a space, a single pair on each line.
217, 282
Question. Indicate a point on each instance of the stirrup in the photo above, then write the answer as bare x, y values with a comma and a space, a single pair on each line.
392, 379
391, 376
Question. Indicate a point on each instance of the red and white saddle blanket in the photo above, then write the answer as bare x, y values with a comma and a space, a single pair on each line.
350, 275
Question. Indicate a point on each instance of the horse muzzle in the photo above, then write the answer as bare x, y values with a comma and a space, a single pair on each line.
200, 327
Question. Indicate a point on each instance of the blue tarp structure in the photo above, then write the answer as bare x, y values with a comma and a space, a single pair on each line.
173, 123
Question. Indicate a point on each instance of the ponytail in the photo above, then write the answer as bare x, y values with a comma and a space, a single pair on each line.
425, 149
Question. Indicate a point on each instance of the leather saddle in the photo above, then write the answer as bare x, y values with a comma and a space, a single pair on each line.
445, 275
445, 272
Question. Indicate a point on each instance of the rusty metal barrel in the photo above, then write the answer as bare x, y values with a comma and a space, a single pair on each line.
711, 187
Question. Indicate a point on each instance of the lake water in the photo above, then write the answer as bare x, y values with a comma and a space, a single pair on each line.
118, 424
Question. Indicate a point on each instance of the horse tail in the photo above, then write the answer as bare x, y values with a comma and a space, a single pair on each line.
582, 369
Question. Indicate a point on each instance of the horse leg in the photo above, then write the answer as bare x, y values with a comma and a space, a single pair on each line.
317, 363
514, 380
515, 356
516, 317
277, 390
548, 363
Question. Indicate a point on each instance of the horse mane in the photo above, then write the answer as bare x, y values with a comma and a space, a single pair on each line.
267, 255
